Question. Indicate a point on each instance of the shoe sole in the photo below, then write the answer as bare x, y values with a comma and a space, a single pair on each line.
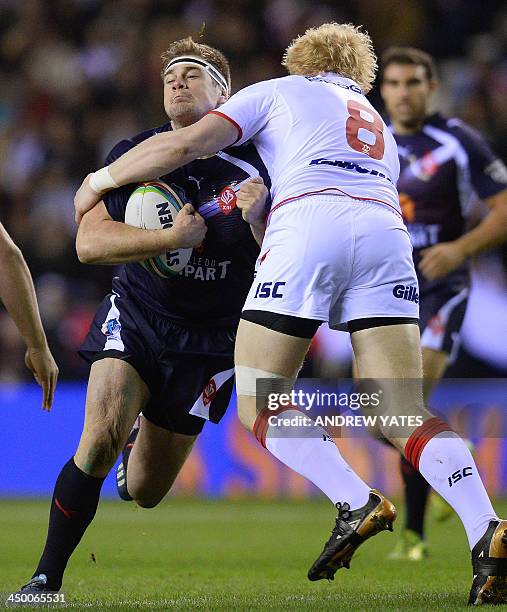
120, 483
494, 590
381, 518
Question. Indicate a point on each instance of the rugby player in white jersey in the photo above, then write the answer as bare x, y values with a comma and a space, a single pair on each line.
335, 250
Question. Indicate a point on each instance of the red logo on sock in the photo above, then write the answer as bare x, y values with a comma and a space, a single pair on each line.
67, 513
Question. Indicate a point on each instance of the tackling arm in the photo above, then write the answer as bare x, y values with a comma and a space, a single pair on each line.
155, 157
163, 153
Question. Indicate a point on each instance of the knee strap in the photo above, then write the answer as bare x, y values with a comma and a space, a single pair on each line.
254, 382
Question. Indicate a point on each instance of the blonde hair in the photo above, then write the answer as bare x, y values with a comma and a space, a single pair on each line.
341, 48
187, 46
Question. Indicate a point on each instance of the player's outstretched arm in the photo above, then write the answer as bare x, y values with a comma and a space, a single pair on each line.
251, 200
101, 240
155, 157
18, 296
441, 259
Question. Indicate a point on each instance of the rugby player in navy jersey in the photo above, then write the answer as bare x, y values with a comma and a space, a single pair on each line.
163, 347
445, 167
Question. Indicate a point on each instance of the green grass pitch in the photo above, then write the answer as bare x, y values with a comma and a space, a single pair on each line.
225, 555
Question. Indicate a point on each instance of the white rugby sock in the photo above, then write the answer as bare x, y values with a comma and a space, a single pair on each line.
313, 454
448, 466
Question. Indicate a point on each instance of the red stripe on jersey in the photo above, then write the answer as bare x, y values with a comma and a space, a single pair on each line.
227, 118
341, 194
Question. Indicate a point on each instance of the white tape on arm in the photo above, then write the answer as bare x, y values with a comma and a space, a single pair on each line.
102, 181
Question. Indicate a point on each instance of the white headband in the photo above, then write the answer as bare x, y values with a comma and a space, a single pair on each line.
201, 63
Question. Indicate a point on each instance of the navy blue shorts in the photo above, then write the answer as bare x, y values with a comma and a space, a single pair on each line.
189, 371
441, 315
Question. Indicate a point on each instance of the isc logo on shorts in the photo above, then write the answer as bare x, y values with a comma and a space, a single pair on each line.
406, 292
269, 289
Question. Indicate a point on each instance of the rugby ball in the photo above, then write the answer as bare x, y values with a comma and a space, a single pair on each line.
154, 205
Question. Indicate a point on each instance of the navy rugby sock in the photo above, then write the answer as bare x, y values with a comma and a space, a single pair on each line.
416, 497
75, 500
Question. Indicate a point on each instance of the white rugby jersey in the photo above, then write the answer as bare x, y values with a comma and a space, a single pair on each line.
317, 134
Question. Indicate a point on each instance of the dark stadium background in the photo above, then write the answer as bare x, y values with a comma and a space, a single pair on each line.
78, 75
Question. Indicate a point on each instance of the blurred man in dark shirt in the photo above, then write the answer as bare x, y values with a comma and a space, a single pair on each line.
445, 166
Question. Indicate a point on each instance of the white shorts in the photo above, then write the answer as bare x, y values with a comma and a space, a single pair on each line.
335, 259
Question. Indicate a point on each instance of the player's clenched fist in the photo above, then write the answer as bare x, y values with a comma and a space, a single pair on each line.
251, 200
189, 228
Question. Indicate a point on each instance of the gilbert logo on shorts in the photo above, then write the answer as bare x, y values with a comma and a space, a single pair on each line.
210, 390
406, 292
227, 200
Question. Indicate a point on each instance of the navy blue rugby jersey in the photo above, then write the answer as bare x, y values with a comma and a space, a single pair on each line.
213, 286
444, 168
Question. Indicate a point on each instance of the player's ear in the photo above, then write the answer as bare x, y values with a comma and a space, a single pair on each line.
224, 96
433, 85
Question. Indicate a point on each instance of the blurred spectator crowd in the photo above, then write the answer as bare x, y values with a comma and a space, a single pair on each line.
78, 75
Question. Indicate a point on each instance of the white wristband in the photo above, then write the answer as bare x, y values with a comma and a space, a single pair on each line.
102, 181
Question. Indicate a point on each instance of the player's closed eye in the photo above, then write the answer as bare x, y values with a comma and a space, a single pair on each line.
189, 76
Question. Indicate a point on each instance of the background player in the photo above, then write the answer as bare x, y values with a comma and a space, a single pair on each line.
445, 167
306, 276
161, 346
18, 296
